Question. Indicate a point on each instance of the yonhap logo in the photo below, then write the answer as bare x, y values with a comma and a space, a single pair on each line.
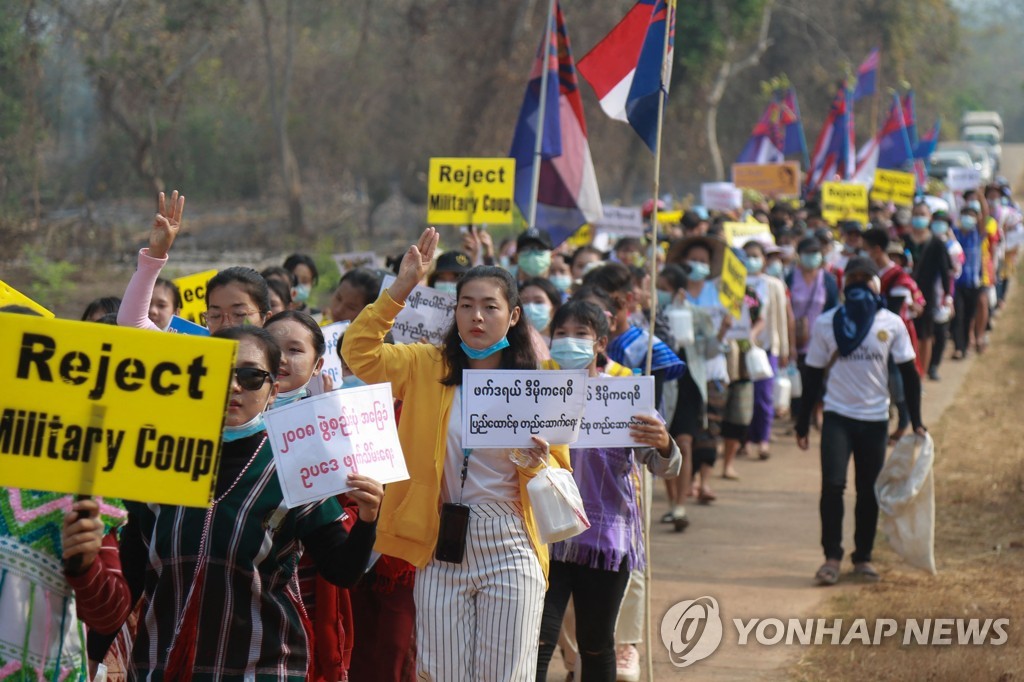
691, 631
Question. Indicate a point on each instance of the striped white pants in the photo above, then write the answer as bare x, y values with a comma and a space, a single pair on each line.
479, 621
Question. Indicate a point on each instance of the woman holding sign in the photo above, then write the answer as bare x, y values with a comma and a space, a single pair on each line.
480, 595
594, 567
218, 582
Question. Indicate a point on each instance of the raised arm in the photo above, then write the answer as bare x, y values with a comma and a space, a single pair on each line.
134, 310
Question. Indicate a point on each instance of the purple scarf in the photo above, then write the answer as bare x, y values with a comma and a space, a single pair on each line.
608, 482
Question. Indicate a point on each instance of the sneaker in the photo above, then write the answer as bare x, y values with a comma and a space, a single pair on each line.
933, 373
627, 663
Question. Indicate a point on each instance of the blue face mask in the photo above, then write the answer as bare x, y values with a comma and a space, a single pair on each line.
754, 265
561, 282
352, 381
810, 261
940, 227
535, 263
572, 353
537, 314
698, 271
919, 222
968, 222
976, 205
774, 269
301, 292
249, 428
289, 397
447, 287
664, 299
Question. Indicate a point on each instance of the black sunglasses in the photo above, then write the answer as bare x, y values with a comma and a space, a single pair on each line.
251, 378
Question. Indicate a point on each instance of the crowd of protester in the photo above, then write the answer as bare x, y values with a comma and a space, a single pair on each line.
851, 316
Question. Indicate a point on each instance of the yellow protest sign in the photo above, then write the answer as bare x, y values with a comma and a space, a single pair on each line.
738, 234
11, 296
582, 237
733, 284
193, 295
842, 201
471, 191
101, 410
772, 179
895, 186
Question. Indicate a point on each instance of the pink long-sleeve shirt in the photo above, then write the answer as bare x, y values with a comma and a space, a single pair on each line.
134, 310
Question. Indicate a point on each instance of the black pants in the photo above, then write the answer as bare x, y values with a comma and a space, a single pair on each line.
941, 336
597, 595
866, 441
966, 303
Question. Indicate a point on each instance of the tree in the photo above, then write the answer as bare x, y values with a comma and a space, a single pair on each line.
279, 86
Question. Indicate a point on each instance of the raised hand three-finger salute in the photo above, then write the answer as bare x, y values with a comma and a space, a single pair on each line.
166, 224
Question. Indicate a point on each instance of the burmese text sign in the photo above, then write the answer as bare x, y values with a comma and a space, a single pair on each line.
612, 404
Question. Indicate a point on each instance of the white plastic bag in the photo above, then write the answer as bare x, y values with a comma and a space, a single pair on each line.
758, 366
782, 393
906, 497
557, 505
796, 382
680, 322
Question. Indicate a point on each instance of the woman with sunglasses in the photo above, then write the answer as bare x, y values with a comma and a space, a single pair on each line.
478, 618
234, 296
217, 582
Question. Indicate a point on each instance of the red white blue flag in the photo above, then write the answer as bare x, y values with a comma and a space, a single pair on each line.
867, 75
567, 196
833, 156
629, 69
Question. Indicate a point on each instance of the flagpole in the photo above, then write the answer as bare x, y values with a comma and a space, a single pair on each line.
538, 147
670, 18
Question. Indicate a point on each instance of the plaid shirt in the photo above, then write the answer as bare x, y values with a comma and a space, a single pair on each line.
252, 624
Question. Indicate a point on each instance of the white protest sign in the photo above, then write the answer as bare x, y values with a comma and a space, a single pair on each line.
721, 196
1014, 237
318, 442
428, 314
612, 404
332, 363
962, 179
627, 221
504, 408
351, 261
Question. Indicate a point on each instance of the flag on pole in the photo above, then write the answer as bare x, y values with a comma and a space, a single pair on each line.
890, 149
795, 142
867, 75
910, 115
567, 196
629, 69
833, 152
924, 148
767, 142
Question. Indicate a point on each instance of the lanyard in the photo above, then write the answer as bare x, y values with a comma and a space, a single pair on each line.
466, 452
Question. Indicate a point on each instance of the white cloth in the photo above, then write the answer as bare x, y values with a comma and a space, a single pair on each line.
492, 477
858, 385
480, 620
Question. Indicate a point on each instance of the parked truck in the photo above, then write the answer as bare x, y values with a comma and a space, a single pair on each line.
984, 128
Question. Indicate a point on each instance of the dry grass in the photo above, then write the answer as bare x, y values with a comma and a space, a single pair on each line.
979, 539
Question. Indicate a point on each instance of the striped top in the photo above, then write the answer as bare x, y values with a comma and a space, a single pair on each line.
630, 349
252, 623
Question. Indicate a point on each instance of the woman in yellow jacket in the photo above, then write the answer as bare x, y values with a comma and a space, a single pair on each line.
463, 518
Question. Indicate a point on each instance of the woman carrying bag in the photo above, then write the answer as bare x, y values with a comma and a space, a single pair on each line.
463, 518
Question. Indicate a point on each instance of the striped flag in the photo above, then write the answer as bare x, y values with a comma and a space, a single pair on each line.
890, 149
629, 70
768, 140
834, 151
567, 196
867, 75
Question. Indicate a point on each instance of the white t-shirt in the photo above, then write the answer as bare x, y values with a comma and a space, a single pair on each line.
492, 476
858, 385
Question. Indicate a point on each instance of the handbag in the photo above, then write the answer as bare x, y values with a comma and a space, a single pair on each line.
557, 505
